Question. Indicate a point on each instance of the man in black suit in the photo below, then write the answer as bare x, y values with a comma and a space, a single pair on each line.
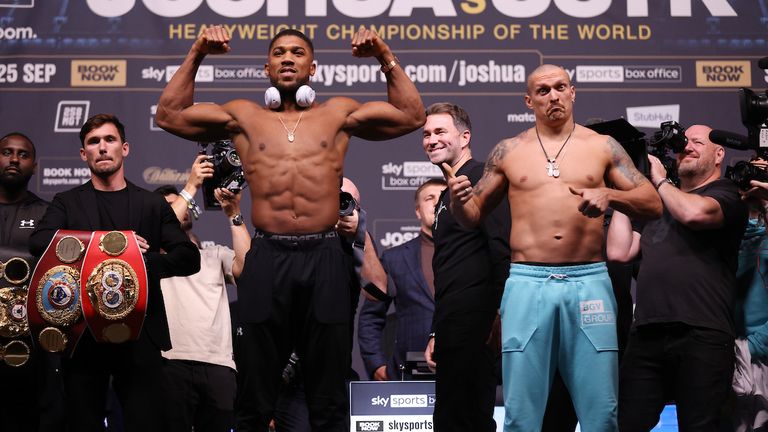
110, 202
470, 266
409, 267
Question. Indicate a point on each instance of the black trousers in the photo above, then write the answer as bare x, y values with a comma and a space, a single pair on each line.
465, 380
300, 274
200, 395
691, 366
136, 371
33, 395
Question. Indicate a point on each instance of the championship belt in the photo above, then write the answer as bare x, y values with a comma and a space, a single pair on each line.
53, 303
115, 285
14, 327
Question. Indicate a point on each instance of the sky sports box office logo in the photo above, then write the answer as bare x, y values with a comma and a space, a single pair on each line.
626, 74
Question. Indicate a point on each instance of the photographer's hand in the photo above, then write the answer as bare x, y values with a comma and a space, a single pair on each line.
658, 172
759, 190
201, 169
347, 225
230, 201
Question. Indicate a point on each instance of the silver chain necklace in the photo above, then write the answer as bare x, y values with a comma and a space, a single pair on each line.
291, 133
553, 169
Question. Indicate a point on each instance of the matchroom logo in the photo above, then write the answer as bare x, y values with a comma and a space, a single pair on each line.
723, 73
99, 73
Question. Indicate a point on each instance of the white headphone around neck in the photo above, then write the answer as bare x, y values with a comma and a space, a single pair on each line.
305, 96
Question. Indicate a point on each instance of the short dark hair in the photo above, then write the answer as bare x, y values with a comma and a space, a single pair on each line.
98, 121
166, 190
457, 113
292, 32
430, 182
21, 135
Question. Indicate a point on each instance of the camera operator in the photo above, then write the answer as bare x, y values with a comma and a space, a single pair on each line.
199, 374
750, 378
681, 344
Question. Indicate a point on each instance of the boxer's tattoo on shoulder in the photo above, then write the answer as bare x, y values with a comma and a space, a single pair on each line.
494, 162
497, 155
623, 163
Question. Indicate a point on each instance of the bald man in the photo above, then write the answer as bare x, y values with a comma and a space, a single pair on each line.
681, 344
558, 310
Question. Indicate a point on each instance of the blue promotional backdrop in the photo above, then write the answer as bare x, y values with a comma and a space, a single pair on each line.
648, 61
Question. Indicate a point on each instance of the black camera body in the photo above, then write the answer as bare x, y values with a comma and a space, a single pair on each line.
347, 204
227, 171
743, 172
668, 140
754, 116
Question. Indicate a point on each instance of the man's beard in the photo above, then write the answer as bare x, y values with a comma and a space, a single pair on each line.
15, 182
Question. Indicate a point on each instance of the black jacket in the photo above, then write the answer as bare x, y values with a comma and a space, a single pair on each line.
17, 227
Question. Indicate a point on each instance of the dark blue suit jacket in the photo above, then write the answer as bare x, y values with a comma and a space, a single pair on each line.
414, 306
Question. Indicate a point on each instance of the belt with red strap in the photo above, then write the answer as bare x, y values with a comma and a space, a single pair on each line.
88, 278
115, 285
53, 304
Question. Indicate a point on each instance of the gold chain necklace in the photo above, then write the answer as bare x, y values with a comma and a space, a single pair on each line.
291, 133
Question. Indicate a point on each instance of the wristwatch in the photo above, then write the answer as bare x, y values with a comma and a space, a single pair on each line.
237, 219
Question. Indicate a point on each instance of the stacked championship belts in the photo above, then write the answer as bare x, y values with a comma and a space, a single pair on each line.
14, 329
88, 278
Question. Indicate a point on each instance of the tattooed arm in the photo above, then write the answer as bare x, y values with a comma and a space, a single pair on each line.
470, 204
633, 194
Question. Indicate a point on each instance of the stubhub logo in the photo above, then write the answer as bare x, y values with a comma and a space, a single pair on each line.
652, 116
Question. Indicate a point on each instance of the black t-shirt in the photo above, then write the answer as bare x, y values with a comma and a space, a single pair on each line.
470, 265
689, 276
113, 209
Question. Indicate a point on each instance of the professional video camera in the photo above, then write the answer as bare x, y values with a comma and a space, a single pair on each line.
754, 116
754, 113
668, 140
227, 171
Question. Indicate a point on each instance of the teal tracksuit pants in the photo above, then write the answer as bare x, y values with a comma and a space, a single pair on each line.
559, 317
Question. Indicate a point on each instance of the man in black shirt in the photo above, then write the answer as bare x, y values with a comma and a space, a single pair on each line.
20, 211
469, 271
110, 202
681, 344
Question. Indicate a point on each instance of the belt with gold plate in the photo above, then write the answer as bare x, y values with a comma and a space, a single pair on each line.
14, 325
115, 286
54, 300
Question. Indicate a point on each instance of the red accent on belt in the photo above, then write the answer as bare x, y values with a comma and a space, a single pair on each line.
48, 261
114, 285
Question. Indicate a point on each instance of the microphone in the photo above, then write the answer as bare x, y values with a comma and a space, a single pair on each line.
730, 139
763, 63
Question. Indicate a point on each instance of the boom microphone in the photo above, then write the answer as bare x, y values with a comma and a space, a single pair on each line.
729, 139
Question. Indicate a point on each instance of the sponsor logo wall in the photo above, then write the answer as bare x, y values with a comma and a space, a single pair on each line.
61, 62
